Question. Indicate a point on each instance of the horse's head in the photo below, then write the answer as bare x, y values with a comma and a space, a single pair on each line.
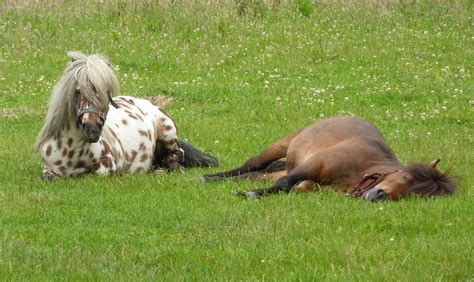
94, 81
418, 179
90, 116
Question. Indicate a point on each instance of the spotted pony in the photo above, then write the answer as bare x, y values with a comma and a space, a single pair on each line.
87, 131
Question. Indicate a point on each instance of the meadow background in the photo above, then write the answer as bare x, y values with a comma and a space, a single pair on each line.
242, 74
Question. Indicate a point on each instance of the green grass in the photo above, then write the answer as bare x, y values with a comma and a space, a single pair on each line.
243, 75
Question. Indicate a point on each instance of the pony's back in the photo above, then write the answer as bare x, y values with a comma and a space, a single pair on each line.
330, 131
352, 135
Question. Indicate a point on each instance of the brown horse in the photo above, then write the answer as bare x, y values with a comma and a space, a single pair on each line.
348, 153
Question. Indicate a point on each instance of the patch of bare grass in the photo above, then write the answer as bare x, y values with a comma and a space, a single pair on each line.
160, 101
12, 113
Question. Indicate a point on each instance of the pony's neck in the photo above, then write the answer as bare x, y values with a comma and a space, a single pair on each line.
384, 168
71, 130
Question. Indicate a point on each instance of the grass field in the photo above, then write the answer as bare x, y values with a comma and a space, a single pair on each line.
242, 74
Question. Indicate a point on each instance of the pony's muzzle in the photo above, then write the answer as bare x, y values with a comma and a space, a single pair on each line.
91, 133
375, 194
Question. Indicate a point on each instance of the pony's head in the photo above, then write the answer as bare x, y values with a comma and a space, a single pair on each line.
417, 179
95, 81
81, 97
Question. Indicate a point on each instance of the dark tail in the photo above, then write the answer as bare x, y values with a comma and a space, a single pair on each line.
194, 157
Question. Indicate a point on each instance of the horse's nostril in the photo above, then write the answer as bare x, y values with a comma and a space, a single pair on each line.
380, 194
91, 130
91, 133
375, 194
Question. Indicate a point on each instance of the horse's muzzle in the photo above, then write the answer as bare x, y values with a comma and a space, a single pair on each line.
375, 195
91, 133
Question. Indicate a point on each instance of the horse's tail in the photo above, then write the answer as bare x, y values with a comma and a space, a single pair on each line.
194, 157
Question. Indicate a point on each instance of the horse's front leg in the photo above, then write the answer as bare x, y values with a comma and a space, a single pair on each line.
301, 179
106, 165
49, 174
284, 184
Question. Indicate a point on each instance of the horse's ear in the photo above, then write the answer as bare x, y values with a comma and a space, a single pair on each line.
75, 55
434, 163
107, 60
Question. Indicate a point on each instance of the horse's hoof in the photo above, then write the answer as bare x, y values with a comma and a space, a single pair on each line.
207, 178
251, 195
237, 193
248, 195
49, 176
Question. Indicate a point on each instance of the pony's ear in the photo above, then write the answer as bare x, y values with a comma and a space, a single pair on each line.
434, 163
107, 60
75, 55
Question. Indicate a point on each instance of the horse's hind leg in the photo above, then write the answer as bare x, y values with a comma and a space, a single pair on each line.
167, 136
272, 153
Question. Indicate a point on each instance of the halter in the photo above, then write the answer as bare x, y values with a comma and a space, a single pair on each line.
80, 113
102, 116
368, 182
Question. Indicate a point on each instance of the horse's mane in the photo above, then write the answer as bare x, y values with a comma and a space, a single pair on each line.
429, 181
92, 74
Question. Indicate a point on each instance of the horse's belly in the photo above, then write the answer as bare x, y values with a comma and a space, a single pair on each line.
300, 150
133, 131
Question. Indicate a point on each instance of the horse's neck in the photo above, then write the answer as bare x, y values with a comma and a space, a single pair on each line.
383, 168
71, 131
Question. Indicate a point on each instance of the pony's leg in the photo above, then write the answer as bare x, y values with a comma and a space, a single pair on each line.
284, 184
261, 175
49, 174
306, 186
168, 138
303, 179
272, 153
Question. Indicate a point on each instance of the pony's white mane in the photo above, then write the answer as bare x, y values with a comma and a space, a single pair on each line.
92, 74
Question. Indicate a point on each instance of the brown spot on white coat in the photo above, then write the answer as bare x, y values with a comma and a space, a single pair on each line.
49, 150
143, 133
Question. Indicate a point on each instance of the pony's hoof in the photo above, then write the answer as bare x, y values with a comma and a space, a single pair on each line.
207, 178
237, 193
49, 176
251, 195
248, 195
